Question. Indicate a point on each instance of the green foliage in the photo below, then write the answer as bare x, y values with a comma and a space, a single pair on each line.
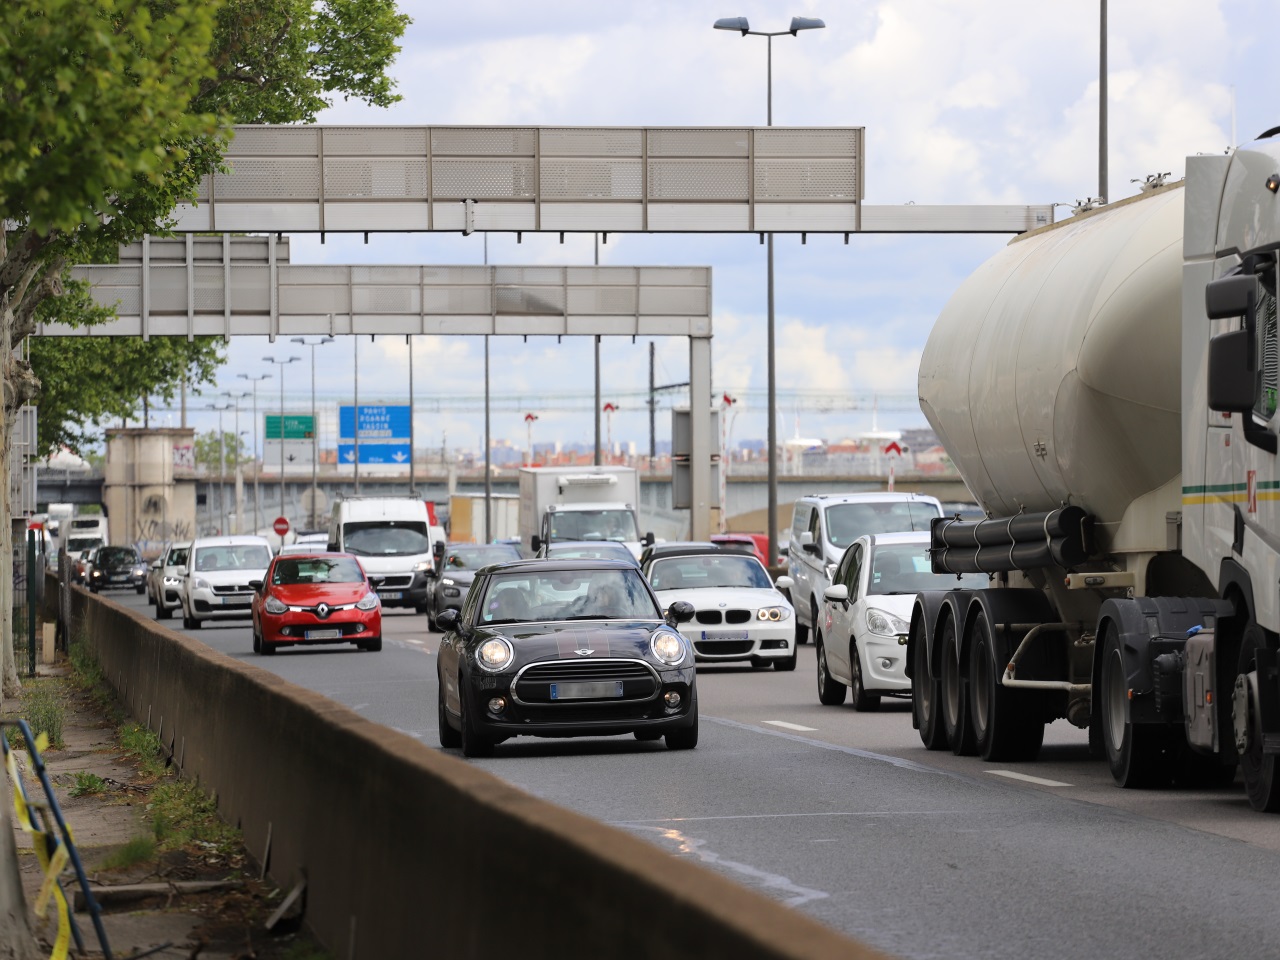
43, 710
136, 851
208, 450
143, 746
183, 814
88, 784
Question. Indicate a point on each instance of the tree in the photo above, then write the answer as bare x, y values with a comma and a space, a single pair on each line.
208, 451
111, 112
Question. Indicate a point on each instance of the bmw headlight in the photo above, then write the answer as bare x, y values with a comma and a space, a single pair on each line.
495, 654
368, 602
274, 605
885, 624
448, 581
667, 647
773, 613
202, 584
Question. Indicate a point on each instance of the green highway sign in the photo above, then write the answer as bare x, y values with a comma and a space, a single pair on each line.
296, 426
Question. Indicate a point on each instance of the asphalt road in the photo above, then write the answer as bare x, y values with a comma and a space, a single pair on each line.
847, 817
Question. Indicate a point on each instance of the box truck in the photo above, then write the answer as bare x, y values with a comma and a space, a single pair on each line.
580, 503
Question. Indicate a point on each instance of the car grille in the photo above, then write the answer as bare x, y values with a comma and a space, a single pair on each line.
534, 682
721, 648
390, 583
232, 588
712, 617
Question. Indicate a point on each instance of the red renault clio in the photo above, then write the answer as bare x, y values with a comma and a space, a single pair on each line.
315, 598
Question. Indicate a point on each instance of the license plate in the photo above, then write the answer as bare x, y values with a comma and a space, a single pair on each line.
120, 579
322, 635
724, 635
586, 691
391, 594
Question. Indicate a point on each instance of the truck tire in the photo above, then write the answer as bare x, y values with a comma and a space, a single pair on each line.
1005, 724
955, 709
926, 698
1261, 783
1139, 754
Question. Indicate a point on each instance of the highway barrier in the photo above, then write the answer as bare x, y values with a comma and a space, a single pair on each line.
410, 852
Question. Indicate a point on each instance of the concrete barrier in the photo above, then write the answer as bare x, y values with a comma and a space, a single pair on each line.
409, 852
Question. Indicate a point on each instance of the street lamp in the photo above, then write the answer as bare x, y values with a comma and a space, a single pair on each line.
222, 465
315, 433
740, 25
528, 423
257, 495
282, 364
236, 398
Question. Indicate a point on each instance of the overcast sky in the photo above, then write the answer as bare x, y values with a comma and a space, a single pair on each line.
963, 101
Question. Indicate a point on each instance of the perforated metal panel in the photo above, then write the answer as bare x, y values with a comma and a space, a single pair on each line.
286, 178
592, 179
806, 180
482, 179
698, 179
591, 142
699, 142
788, 142
391, 178
483, 141
363, 141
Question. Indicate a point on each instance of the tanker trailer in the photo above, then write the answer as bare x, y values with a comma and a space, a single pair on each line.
1107, 388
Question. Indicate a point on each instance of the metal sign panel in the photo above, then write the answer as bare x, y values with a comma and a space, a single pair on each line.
384, 434
296, 426
299, 455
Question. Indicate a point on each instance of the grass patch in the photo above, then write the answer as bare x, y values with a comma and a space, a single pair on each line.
44, 711
88, 784
143, 746
138, 850
301, 950
88, 677
182, 814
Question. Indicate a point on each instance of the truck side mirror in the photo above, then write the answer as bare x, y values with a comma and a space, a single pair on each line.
535, 542
438, 550
1230, 296
1233, 385
649, 539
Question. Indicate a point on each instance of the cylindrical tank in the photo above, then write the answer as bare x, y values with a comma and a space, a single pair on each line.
1053, 375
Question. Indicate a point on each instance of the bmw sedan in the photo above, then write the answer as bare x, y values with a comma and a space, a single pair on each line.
315, 598
564, 648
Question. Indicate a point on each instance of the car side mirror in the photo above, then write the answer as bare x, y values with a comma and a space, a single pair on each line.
255, 585
180, 571
810, 546
679, 612
806, 538
376, 581
784, 583
448, 619
836, 593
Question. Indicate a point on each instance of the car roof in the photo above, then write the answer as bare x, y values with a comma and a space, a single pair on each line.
235, 541
551, 563
870, 496
911, 537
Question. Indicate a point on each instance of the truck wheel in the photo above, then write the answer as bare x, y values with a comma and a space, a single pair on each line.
1260, 780
1004, 723
1139, 754
955, 709
830, 690
926, 697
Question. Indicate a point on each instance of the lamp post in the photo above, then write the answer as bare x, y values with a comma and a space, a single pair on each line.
282, 364
257, 494
608, 410
528, 424
315, 432
236, 398
222, 465
797, 24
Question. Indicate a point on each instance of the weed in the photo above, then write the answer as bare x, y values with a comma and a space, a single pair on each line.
43, 710
183, 814
88, 784
138, 850
301, 950
145, 747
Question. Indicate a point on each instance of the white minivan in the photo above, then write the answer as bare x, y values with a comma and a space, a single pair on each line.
394, 539
823, 526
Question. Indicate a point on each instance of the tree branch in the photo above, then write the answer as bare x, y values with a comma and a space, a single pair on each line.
50, 286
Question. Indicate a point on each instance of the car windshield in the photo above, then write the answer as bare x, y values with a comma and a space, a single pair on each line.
243, 556
905, 568
178, 556
708, 570
480, 555
544, 595
80, 544
846, 522
386, 538
603, 550
117, 556
617, 525
288, 572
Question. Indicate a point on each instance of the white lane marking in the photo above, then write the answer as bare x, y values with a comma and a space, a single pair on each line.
790, 726
359, 706
1027, 778
411, 640
794, 894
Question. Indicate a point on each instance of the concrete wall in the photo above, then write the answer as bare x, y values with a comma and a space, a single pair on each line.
409, 852
148, 493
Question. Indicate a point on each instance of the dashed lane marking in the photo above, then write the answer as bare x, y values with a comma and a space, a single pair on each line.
1027, 778
790, 726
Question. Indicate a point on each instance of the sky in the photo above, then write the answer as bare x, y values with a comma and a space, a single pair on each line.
963, 101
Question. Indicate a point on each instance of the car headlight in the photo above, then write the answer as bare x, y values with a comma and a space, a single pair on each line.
139, 571
495, 654
202, 584
172, 580
831, 572
448, 581
368, 602
885, 624
668, 648
422, 566
274, 605
97, 573
773, 613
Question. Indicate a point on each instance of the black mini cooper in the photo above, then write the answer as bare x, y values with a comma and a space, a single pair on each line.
564, 648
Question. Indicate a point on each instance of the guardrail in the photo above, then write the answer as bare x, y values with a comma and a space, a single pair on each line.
407, 851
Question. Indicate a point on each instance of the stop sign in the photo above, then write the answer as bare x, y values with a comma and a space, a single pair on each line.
281, 526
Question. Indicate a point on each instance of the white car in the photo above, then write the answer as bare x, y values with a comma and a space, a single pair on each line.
219, 571
738, 613
865, 616
166, 583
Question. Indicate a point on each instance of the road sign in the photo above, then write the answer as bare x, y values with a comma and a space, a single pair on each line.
296, 426
281, 526
384, 435
299, 455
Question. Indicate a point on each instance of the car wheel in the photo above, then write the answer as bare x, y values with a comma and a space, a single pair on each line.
863, 702
373, 645
787, 664
268, 649
759, 663
257, 642
141, 589
474, 743
163, 612
645, 735
449, 737
686, 738
188, 623
830, 691
802, 632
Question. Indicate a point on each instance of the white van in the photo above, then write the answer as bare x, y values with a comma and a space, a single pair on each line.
394, 539
89, 525
823, 526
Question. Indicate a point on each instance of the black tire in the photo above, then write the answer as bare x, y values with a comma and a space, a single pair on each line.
268, 649
802, 632
686, 738
955, 708
926, 698
188, 623
863, 701
449, 737
1139, 754
141, 589
373, 646
830, 691
474, 743
647, 735
163, 612
1004, 721
760, 663
257, 643
1261, 783
787, 664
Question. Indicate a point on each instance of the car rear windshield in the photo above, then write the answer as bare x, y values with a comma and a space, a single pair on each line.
603, 550
708, 570
846, 522
905, 568
473, 558
117, 555
316, 570
386, 538
245, 556
540, 596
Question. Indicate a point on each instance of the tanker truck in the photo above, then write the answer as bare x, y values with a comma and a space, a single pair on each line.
1107, 387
